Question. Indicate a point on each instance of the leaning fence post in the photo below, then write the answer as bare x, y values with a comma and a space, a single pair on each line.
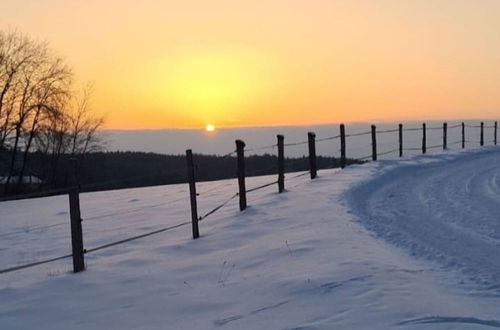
463, 135
240, 153
424, 138
445, 129
342, 146
311, 138
281, 163
192, 193
481, 142
400, 140
374, 142
495, 134
76, 221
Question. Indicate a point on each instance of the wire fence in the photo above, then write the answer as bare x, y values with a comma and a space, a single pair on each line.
280, 167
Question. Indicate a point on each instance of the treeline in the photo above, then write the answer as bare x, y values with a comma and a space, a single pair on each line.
115, 170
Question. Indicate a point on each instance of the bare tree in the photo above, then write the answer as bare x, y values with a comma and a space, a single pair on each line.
38, 109
84, 124
16, 54
42, 83
50, 94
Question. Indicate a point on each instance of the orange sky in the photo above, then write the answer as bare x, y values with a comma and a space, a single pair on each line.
186, 64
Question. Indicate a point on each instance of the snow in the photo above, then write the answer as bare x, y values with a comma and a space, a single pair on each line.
444, 211
388, 245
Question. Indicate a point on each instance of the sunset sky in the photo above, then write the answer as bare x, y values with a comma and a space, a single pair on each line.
187, 64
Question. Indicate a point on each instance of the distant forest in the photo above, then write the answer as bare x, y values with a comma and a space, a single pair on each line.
115, 170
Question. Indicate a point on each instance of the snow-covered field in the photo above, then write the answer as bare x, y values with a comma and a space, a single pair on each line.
388, 245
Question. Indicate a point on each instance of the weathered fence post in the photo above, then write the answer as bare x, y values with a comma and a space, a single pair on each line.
495, 133
311, 138
76, 221
192, 193
424, 139
400, 140
240, 153
481, 142
374, 142
281, 163
463, 135
342, 146
445, 129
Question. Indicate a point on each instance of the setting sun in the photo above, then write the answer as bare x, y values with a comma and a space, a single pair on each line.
341, 152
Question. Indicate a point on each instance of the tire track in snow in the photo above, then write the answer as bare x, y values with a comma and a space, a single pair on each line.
445, 211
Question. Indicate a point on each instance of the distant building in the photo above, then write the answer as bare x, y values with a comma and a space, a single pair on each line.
26, 180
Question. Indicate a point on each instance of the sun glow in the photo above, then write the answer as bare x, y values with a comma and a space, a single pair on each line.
210, 128
206, 85
184, 64
210, 86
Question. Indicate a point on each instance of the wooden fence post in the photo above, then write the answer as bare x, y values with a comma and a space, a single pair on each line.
374, 142
400, 140
445, 129
481, 142
463, 135
495, 133
240, 153
281, 163
424, 139
76, 221
192, 193
342, 146
311, 138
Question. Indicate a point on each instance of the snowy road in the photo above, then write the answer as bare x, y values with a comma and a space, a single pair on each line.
445, 211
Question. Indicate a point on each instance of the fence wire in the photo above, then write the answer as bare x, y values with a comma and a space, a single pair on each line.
262, 186
218, 207
412, 129
133, 238
33, 264
328, 138
295, 143
435, 146
387, 152
273, 146
389, 130
364, 157
358, 134
229, 154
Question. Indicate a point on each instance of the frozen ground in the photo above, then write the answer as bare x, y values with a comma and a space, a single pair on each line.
388, 245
